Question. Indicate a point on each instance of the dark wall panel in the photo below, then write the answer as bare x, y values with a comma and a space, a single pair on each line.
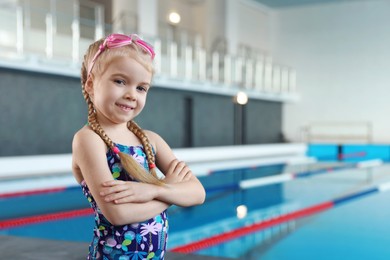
211, 116
213, 120
40, 114
164, 114
263, 122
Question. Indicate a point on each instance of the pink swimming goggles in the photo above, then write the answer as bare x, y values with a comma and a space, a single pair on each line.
118, 40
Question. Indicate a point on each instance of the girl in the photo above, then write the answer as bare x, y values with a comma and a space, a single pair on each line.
114, 160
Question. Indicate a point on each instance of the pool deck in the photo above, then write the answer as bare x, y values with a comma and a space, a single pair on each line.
15, 248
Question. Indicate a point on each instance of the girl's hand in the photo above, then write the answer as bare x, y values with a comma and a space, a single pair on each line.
119, 192
177, 172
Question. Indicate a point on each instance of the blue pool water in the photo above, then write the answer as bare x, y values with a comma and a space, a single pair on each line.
356, 230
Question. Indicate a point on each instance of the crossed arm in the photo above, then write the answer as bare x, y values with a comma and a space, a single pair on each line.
129, 202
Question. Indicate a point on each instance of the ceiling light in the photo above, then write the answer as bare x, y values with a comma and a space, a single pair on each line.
174, 17
241, 98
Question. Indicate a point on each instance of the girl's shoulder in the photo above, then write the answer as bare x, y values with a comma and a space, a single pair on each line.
88, 150
87, 138
156, 141
153, 137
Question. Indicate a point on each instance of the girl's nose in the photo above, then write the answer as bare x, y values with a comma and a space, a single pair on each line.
131, 94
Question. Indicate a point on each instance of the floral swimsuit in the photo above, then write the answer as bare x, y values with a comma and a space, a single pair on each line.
144, 240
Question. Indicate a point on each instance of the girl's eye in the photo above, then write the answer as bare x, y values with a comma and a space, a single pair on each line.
142, 88
120, 81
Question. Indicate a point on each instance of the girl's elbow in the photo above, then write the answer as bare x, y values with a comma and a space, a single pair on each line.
197, 198
202, 197
202, 194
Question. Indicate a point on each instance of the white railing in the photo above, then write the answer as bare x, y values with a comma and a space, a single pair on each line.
337, 132
62, 38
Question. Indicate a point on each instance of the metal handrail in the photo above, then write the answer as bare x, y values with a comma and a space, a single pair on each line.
189, 62
310, 132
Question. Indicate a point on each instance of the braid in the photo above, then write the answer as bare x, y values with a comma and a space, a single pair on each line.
94, 124
134, 127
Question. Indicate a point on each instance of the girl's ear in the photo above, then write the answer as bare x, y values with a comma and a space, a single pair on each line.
89, 86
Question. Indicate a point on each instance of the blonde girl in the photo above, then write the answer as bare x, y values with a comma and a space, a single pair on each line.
115, 160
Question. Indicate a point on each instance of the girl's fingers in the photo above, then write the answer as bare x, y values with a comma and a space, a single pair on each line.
112, 183
185, 173
179, 167
122, 200
172, 167
124, 195
178, 171
188, 176
113, 189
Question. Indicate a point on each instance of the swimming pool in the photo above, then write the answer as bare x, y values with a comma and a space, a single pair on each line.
221, 187
353, 230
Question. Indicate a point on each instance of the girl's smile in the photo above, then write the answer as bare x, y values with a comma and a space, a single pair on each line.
125, 108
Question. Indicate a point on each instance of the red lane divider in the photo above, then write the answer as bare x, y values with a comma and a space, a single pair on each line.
351, 155
220, 238
31, 192
17, 222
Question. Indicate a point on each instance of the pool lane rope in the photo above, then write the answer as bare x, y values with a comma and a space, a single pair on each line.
261, 225
23, 221
247, 184
285, 177
31, 192
351, 155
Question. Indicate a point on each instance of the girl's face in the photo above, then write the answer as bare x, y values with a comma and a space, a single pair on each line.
119, 92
